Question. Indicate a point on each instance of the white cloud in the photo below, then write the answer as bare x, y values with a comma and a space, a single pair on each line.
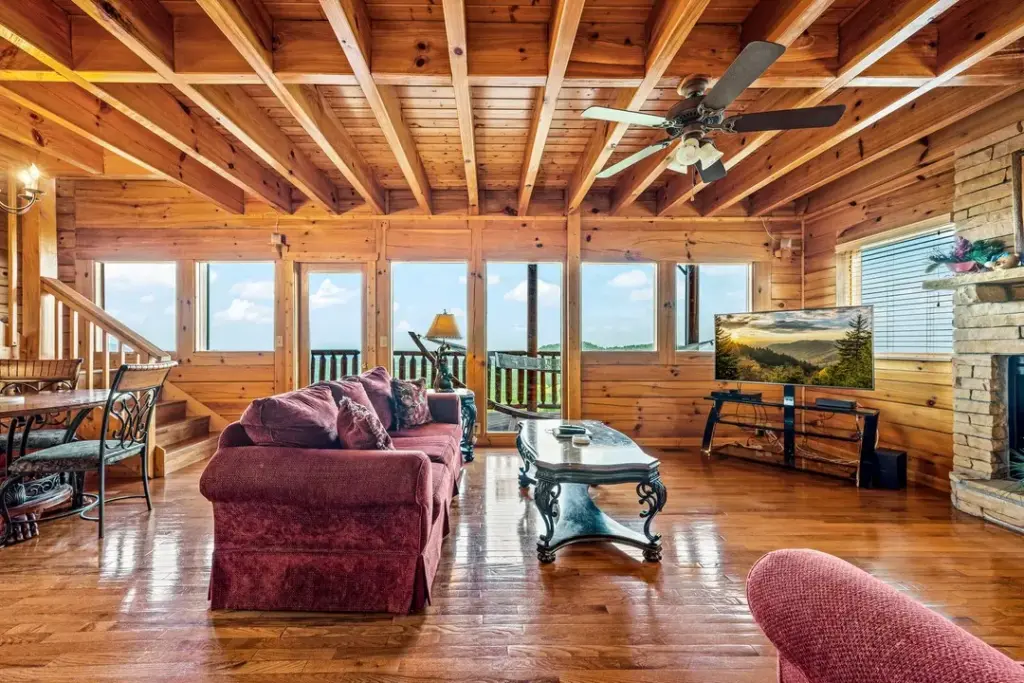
135, 275
493, 279
458, 312
631, 279
169, 310
403, 326
147, 299
462, 279
642, 294
253, 289
243, 310
547, 294
395, 307
330, 294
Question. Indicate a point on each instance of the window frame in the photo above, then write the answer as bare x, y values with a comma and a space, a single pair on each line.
99, 293
692, 311
201, 327
847, 266
657, 301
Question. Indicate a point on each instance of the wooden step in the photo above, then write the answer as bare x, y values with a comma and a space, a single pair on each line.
171, 432
187, 452
170, 411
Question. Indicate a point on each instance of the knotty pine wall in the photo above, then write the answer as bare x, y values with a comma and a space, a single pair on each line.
656, 397
915, 395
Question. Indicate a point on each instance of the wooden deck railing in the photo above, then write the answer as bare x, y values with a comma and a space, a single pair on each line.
505, 386
84, 330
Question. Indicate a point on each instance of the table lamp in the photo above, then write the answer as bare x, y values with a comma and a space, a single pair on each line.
442, 329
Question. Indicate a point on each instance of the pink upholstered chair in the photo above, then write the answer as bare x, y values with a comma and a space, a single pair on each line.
833, 623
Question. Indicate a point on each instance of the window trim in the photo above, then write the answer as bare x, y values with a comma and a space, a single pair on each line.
201, 337
847, 255
694, 300
594, 357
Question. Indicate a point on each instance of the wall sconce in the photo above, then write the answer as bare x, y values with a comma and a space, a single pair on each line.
30, 192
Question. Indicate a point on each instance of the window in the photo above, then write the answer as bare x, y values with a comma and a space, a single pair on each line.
888, 276
618, 306
333, 314
704, 291
419, 291
144, 297
236, 306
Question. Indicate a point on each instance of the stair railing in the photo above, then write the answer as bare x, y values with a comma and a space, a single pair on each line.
94, 335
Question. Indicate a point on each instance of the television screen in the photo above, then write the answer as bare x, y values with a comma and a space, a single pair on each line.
828, 347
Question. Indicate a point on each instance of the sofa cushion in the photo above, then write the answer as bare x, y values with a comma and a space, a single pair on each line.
452, 431
349, 387
307, 418
438, 448
411, 407
377, 383
359, 428
441, 480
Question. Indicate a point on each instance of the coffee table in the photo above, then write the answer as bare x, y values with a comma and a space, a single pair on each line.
564, 474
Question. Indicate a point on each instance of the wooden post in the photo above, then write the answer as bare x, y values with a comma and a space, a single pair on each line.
531, 334
572, 402
476, 343
39, 259
382, 274
12, 339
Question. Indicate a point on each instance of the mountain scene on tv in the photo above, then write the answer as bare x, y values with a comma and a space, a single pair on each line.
830, 347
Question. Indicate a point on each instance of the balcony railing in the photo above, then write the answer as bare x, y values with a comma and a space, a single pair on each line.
505, 386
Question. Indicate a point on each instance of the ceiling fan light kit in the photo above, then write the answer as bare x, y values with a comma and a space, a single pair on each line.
701, 113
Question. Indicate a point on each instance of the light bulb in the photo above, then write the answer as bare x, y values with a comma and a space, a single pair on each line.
33, 171
30, 177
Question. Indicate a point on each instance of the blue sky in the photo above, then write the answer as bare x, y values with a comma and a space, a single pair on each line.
618, 302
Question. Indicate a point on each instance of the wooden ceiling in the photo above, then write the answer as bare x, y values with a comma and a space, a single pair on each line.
288, 102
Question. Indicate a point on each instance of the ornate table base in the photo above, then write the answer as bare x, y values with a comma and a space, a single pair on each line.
25, 502
571, 516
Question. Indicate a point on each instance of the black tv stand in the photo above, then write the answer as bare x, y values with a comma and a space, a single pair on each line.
867, 469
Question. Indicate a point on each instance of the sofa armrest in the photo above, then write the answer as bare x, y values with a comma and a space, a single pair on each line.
833, 622
445, 407
318, 478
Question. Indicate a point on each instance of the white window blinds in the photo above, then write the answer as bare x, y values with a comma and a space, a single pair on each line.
908, 318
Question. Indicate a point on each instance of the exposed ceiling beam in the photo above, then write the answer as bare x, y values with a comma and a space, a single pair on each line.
777, 21
249, 27
14, 155
877, 28
564, 24
458, 47
143, 27
351, 26
670, 24
85, 115
994, 24
37, 132
921, 117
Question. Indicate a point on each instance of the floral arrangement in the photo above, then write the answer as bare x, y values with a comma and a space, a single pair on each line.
966, 256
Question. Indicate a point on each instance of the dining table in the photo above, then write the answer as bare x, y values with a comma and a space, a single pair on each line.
27, 501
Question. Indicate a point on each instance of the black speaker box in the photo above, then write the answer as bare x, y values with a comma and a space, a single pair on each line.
892, 469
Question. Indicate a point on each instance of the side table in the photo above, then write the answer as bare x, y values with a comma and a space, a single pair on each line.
468, 400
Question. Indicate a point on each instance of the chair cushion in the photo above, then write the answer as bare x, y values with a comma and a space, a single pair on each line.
71, 457
441, 481
307, 418
37, 438
360, 429
411, 407
377, 383
437, 448
452, 431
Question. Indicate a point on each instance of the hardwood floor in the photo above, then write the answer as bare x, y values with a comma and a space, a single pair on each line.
133, 607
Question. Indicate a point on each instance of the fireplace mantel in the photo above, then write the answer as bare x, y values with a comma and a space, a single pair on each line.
1010, 276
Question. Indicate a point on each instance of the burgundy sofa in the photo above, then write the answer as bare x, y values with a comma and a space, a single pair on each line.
833, 623
330, 529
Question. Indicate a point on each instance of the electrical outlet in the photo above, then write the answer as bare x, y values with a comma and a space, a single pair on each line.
383, 341
279, 341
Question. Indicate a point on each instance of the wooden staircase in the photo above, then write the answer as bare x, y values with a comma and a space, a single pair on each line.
183, 438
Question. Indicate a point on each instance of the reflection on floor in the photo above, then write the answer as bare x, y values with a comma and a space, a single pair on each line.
133, 607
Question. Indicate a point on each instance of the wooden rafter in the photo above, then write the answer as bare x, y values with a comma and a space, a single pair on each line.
779, 22
144, 27
886, 26
922, 117
992, 28
250, 29
44, 42
564, 24
351, 26
93, 119
669, 26
458, 48
28, 128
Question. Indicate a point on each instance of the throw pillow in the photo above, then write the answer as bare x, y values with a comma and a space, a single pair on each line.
360, 429
307, 418
411, 407
377, 383
349, 387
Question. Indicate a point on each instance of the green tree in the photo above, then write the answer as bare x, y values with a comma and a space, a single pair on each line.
855, 365
726, 356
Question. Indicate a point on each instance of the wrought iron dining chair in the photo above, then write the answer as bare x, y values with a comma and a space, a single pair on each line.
127, 417
20, 377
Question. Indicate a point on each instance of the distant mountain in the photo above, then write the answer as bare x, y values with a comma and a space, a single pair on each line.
815, 351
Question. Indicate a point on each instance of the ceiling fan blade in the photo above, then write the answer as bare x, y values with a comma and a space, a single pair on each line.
747, 68
633, 118
715, 171
788, 119
633, 158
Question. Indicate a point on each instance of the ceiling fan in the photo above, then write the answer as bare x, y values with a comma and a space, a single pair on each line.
702, 112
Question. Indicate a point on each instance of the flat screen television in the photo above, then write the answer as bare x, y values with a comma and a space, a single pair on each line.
827, 347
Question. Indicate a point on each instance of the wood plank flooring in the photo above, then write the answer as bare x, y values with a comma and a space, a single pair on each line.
133, 607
